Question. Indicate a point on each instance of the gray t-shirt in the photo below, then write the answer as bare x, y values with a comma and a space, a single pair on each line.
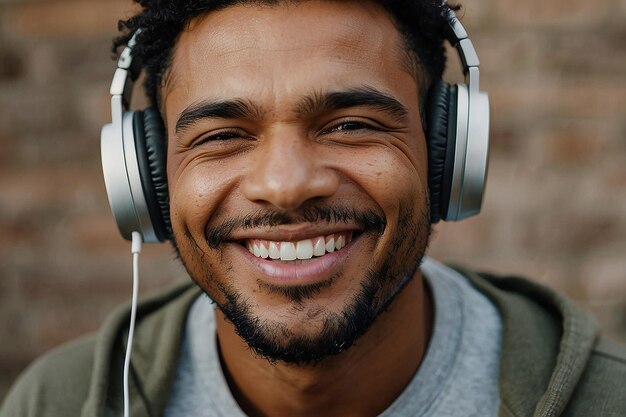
458, 376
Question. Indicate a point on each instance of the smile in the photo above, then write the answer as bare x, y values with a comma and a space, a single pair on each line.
298, 257
302, 249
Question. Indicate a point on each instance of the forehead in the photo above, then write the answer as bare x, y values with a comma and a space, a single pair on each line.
251, 48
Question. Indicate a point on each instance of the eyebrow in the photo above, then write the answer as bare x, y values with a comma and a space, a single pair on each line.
355, 97
316, 103
226, 109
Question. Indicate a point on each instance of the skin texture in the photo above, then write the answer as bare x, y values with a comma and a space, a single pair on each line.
287, 157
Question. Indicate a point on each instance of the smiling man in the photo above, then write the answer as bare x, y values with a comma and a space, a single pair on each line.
297, 176
294, 177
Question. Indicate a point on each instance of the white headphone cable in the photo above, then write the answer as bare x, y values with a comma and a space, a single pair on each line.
135, 250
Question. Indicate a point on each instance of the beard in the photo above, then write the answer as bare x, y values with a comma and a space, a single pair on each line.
276, 341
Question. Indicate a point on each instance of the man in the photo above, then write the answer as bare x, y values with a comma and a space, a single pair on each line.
298, 185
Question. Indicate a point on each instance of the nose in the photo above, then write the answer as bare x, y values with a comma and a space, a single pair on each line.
287, 171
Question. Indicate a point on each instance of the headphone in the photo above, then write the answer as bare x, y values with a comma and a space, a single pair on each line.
457, 129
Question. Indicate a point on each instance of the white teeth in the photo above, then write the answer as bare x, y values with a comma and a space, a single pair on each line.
263, 249
304, 249
274, 252
287, 251
330, 244
319, 247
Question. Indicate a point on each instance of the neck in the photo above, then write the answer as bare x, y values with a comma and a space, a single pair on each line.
362, 381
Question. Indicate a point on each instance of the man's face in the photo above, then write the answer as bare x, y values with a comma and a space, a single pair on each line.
294, 132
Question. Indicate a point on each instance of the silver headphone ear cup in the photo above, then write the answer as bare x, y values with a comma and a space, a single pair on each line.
477, 155
458, 142
122, 179
146, 228
116, 179
471, 154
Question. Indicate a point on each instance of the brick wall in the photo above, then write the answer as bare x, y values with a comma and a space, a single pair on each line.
555, 208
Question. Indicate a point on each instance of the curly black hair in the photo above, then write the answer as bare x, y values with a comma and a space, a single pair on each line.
422, 23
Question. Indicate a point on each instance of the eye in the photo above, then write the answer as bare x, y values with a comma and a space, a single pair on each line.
348, 126
221, 136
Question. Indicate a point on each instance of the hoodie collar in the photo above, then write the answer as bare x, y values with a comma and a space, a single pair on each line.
546, 344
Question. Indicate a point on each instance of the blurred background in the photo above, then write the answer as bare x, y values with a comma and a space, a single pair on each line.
555, 209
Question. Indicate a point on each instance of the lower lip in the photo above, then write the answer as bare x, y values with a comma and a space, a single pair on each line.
315, 270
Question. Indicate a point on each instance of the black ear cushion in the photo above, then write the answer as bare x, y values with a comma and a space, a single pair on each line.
438, 121
151, 147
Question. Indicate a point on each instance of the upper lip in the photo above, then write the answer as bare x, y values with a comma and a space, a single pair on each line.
292, 233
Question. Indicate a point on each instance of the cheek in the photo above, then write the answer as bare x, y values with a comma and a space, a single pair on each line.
196, 190
390, 176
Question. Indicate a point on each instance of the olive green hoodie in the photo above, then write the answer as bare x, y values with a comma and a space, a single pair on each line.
552, 363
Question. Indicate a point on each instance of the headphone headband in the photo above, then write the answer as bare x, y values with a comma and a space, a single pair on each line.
458, 37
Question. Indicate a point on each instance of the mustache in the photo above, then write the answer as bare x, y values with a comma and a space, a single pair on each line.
368, 220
